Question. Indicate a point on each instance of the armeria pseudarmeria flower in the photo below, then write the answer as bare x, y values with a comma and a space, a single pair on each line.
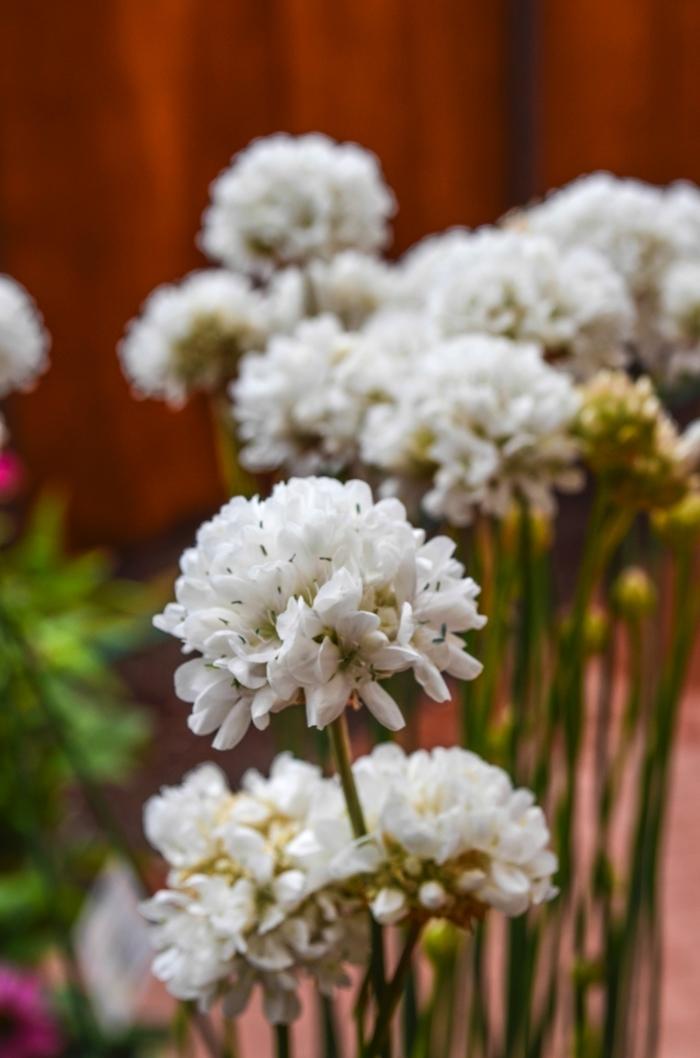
313, 598
241, 907
524, 287
190, 335
24, 341
485, 422
449, 837
631, 444
287, 200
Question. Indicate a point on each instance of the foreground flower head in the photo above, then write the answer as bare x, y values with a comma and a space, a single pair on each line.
314, 597
24, 341
679, 317
242, 908
28, 1029
448, 837
287, 200
523, 286
630, 442
485, 422
190, 335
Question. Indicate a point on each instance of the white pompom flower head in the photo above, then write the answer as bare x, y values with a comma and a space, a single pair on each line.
242, 908
288, 200
449, 837
24, 341
314, 597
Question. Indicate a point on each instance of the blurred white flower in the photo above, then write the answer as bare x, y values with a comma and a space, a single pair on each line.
241, 908
448, 836
625, 220
287, 200
427, 261
679, 319
293, 404
190, 335
486, 421
353, 286
24, 341
314, 597
522, 286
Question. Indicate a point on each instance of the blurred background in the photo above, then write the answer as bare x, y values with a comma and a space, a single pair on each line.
116, 115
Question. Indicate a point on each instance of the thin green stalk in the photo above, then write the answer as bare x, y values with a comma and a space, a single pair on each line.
393, 993
342, 754
329, 1034
283, 1047
236, 481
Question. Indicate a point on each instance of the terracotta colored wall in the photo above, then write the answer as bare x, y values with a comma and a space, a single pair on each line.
115, 115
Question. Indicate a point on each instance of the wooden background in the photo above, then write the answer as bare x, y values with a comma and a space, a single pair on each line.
116, 114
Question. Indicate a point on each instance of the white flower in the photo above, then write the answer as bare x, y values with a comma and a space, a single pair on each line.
287, 200
429, 260
292, 402
189, 336
353, 286
523, 287
314, 597
679, 319
448, 835
486, 421
242, 908
24, 341
624, 220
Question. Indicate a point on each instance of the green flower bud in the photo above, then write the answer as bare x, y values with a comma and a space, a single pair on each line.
633, 593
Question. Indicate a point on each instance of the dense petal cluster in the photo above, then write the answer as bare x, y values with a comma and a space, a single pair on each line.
630, 442
448, 836
679, 312
523, 286
353, 286
299, 404
190, 335
486, 422
314, 597
24, 341
288, 200
242, 908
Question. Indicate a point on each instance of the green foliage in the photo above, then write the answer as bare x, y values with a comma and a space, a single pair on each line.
64, 620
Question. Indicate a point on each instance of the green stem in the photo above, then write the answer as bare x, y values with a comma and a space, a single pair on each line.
283, 1047
342, 754
394, 991
236, 480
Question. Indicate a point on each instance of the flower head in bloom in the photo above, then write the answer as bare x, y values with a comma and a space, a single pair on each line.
485, 422
288, 200
625, 220
448, 837
353, 286
524, 287
28, 1029
630, 443
294, 402
189, 336
242, 907
24, 342
314, 597
679, 317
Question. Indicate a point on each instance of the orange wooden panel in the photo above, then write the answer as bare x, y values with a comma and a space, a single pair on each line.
114, 117
618, 89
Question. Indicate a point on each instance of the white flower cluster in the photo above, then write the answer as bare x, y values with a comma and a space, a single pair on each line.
487, 422
190, 335
646, 233
288, 200
448, 836
269, 883
522, 286
242, 907
314, 597
24, 342
680, 317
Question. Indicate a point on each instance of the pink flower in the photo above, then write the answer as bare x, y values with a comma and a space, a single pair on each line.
10, 475
27, 1026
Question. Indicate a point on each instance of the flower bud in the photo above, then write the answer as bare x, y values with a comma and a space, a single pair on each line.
440, 940
680, 524
633, 593
432, 895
